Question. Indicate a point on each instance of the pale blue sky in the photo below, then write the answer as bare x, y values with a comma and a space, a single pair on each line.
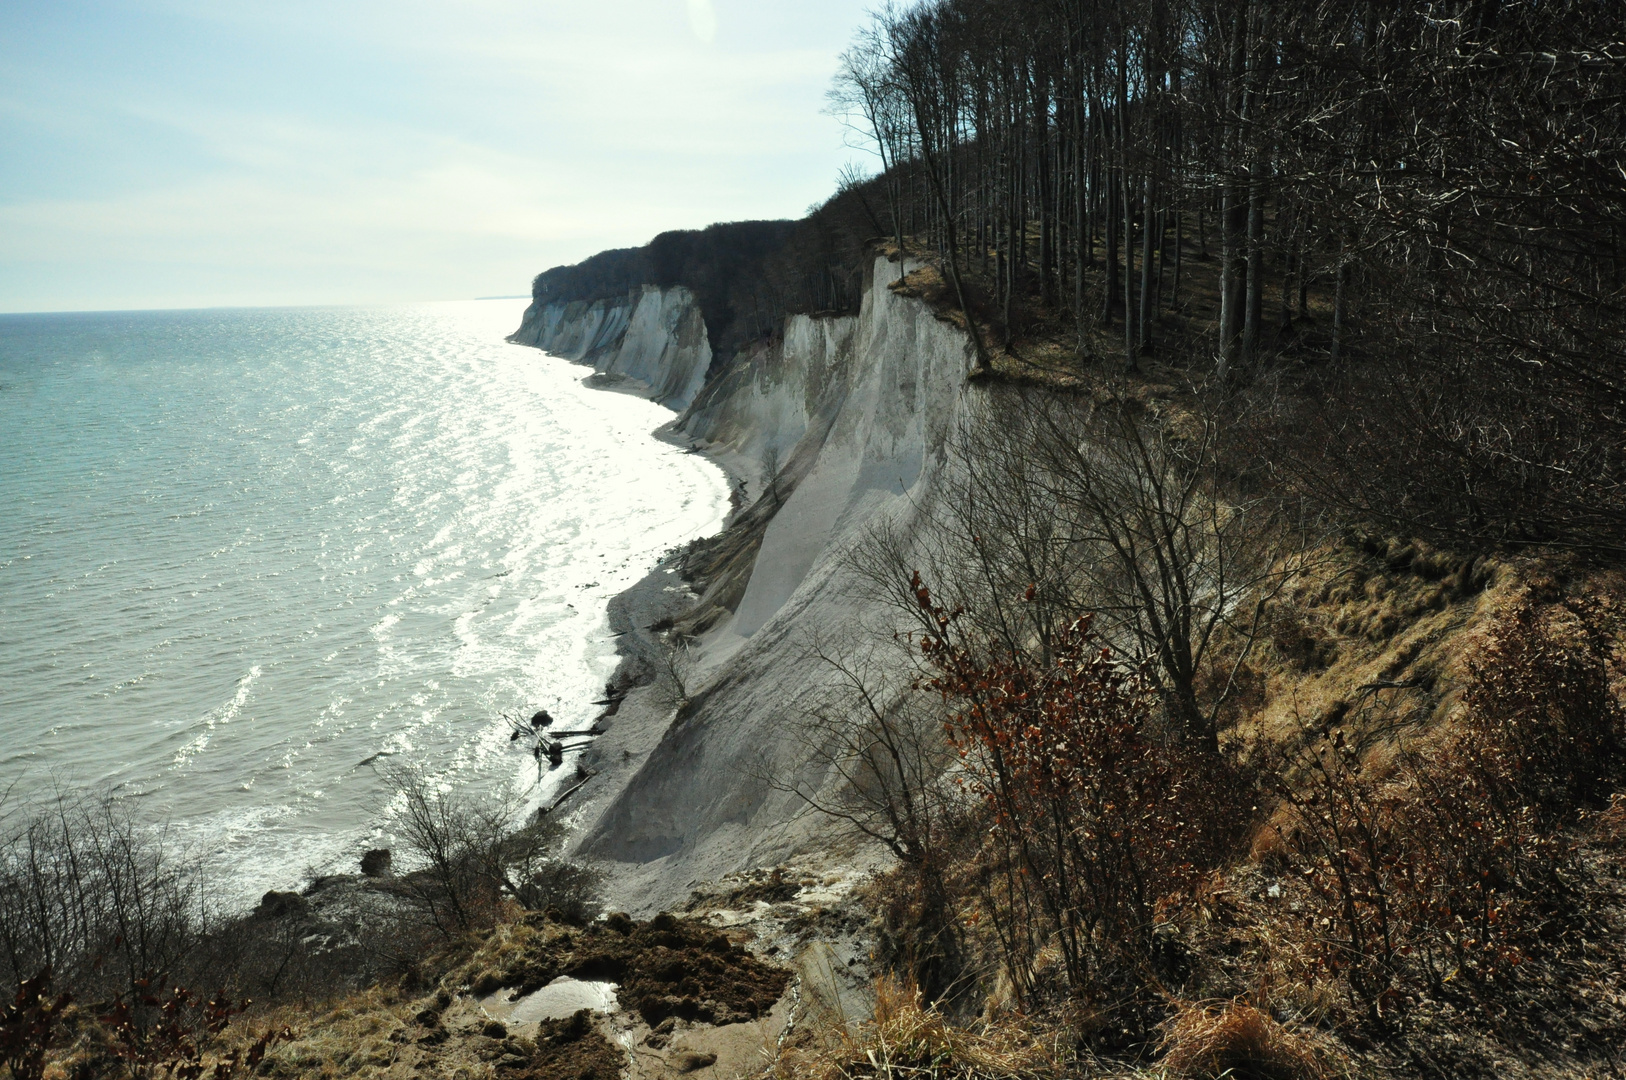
189, 153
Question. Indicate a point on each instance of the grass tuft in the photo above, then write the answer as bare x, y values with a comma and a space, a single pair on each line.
905, 1038
1238, 1042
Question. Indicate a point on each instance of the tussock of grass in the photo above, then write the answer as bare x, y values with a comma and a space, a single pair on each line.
906, 1039
352, 1039
1238, 1042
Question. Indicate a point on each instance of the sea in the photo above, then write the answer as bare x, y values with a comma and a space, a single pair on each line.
252, 559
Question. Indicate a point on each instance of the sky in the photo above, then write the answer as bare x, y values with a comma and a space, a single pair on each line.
200, 153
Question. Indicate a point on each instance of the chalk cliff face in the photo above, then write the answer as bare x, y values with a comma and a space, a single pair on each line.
654, 335
856, 410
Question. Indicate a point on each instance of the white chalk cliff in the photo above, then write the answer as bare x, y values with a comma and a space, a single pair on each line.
656, 336
857, 410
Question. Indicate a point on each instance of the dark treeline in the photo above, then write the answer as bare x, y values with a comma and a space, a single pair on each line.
1049, 138
1438, 187
746, 275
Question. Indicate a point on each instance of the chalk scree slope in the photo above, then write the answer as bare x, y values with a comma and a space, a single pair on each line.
856, 410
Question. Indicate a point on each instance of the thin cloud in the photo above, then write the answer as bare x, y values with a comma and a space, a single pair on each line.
298, 152
703, 20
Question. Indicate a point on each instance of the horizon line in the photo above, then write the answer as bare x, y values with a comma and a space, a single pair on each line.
259, 307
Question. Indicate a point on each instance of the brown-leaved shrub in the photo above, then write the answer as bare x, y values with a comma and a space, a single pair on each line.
1096, 822
1455, 869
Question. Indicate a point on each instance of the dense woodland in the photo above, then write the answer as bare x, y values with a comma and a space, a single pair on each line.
1448, 177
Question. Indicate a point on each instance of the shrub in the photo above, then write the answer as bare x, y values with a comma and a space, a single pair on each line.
565, 886
1541, 723
29, 1027
1238, 1042
1096, 822
469, 856
164, 1035
1456, 870
93, 896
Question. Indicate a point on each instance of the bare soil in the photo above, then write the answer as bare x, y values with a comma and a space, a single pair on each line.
573, 1049
665, 967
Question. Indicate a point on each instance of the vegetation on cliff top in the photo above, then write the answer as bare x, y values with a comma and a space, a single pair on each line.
1404, 221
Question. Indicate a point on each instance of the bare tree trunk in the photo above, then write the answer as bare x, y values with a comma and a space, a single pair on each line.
1130, 345
1233, 209
1083, 241
1338, 306
1109, 294
1289, 249
1179, 255
1256, 265
1233, 217
1043, 179
1151, 246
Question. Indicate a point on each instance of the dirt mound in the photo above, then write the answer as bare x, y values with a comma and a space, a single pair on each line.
572, 1049
665, 967
775, 889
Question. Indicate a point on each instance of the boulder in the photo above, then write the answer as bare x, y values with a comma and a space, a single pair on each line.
376, 863
274, 905
690, 1061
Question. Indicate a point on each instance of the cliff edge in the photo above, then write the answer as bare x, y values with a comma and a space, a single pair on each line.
849, 414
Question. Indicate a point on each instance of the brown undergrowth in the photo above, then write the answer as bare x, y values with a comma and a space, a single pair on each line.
1238, 1041
906, 1037
1433, 883
665, 967
433, 1022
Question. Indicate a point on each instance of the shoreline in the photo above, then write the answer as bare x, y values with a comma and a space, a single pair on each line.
630, 723
636, 716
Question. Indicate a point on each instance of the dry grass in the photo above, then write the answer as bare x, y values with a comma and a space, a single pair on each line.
1239, 1042
905, 1039
1371, 639
351, 1039
1607, 828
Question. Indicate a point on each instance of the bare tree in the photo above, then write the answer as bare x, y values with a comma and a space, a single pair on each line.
674, 664
468, 852
1059, 506
770, 473
875, 758
1173, 558
879, 760
94, 896
867, 98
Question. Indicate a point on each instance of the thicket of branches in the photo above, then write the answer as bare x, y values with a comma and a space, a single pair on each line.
108, 908
1066, 784
1056, 847
1446, 178
1094, 824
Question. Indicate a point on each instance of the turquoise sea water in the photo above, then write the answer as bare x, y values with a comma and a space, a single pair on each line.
243, 552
